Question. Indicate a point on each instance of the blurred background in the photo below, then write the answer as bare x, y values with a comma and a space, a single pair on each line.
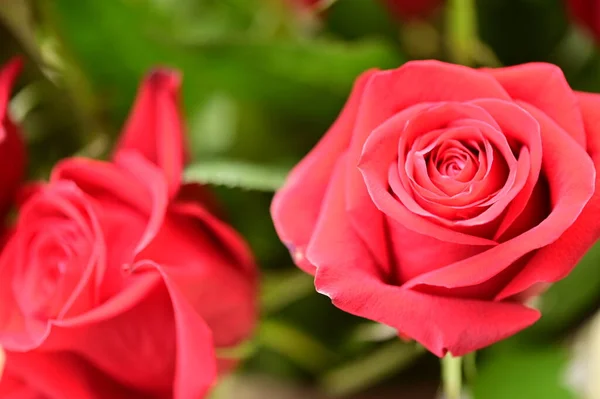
263, 80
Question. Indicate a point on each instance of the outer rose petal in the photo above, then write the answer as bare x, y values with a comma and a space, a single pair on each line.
153, 340
143, 336
544, 86
40, 375
296, 206
13, 388
347, 274
580, 237
154, 127
195, 367
12, 149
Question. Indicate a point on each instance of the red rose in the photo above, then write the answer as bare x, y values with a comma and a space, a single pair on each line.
444, 196
586, 13
12, 150
119, 265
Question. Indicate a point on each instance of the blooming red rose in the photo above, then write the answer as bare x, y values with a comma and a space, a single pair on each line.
444, 196
586, 13
12, 150
120, 265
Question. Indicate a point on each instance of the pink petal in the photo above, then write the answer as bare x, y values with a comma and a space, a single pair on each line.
42, 375
17, 332
207, 257
134, 182
519, 126
564, 254
155, 126
62, 205
195, 367
544, 86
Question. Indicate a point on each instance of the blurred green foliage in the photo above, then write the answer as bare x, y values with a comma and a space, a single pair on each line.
257, 76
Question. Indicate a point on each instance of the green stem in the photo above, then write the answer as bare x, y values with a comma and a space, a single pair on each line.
452, 377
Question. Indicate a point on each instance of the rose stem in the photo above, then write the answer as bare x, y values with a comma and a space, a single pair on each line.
452, 376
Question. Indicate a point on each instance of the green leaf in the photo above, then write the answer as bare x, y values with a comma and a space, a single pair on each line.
374, 367
236, 174
524, 374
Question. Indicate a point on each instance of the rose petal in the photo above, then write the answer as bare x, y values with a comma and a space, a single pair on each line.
155, 126
143, 336
233, 245
544, 86
83, 274
195, 368
41, 375
205, 257
565, 252
155, 186
17, 332
415, 253
133, 291
519, 126
133, 181
296, 205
